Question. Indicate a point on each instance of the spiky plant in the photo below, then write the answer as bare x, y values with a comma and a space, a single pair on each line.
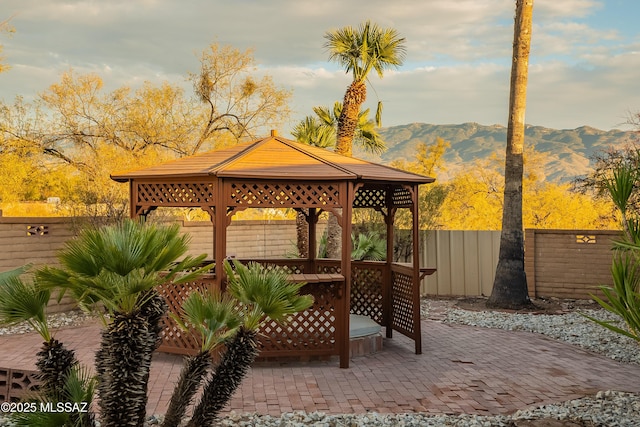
263, 294
78, 388
212, 318
623, 298
26, 301
119, 266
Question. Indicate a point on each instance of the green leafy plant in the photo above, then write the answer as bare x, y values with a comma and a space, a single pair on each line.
364, 246
261, 294
212, 317
623, 298
62, 378
116, 269
368, 246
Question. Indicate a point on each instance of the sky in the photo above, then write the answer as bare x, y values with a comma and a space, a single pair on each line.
583, 70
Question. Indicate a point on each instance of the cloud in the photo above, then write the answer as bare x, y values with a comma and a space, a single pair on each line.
457, 68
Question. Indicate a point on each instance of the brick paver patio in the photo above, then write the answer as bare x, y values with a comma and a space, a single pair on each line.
463, 369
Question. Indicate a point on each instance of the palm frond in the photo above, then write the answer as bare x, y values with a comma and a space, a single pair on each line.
113, 265
368, 47
24, 302
16, 272
213, 316
264, 292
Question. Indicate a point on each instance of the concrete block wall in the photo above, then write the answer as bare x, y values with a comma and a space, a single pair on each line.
31, 240
247, 239
558, 263
34, 241
568, 263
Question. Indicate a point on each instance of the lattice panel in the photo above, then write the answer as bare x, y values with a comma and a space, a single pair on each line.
176, 194
288, 268
402, 297
284, 195
370, 198
16, 383
174, 339
366, 292
402, 198
328, 268
310, 332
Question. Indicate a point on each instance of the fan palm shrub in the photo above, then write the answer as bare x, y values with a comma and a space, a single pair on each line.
262, 294
368, 246
115, 269
212, 317
61, 377
78, 388
22, 301
365, 246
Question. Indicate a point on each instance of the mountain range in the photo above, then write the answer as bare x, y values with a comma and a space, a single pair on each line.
569, 150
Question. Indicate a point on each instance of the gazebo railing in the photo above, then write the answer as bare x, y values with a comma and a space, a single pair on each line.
405, 314
314, 332
367, 286
386, 295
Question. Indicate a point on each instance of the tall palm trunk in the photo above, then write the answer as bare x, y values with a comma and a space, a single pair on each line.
302, 234
124, 362
240, 353
354, 97
510, 284
193, 371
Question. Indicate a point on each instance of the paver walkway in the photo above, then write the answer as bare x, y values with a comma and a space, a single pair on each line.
463, 369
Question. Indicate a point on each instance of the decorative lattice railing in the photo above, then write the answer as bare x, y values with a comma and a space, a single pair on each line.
316, 331
367, 287
403, 298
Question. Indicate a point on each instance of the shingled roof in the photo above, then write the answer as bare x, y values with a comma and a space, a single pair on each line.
274, 158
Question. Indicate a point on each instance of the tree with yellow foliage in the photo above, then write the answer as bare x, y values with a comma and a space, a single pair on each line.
77, 126
430, 162
5, 27
474, 201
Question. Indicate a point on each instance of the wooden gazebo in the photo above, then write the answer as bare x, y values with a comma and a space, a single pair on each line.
275, 172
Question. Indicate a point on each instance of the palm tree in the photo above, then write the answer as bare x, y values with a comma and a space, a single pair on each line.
510, 283
26, 302
320, 131
118, 267
262, 294
213, 318
360, 50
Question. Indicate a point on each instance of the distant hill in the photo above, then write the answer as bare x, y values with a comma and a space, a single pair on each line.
570, 148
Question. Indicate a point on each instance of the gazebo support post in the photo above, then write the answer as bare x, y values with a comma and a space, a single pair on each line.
133, 198
345, 268
220, 233
388, 303
416, 269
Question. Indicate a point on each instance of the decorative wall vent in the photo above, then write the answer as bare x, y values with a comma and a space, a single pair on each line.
586, 238
37, 230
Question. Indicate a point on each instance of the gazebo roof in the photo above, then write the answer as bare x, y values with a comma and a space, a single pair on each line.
274, 158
